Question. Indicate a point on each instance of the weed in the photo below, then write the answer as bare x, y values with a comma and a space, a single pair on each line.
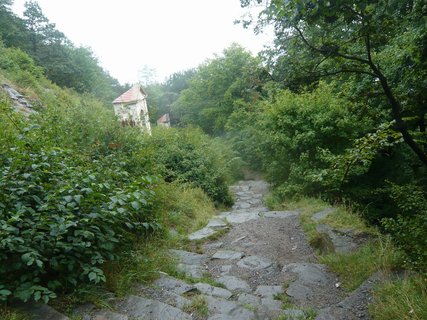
401, 299
207, 278
198, 307
284, 299
186, 209
249, 307
142, 264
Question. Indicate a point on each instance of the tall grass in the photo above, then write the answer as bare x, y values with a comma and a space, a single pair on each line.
357, 266
401, 299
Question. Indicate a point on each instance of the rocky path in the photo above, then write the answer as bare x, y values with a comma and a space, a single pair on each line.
262, 268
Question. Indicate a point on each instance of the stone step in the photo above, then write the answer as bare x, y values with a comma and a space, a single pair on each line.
139, 308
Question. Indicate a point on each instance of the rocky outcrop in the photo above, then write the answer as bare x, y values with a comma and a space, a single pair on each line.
19, 102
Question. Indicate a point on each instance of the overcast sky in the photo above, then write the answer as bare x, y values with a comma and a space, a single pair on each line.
167, 35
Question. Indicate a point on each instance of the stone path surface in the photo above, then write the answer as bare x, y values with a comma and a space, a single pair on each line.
262, 268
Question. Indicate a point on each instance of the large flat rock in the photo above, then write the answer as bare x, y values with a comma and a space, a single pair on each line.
322, 214
255, 263
189, 257
217, 224
249, 299
233, 283
228, 255
228, 308
147, 309
171, 284
213, 291
242, 217
107, 315
341, 239
309, 273
268, 291
201, 234
280, 214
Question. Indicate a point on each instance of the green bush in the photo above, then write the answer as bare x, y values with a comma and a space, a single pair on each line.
66, 208
409, 228
190, 156
61, 219
300, 136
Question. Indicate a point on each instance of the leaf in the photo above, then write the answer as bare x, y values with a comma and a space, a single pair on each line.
37, 295
92, 276
5, 292
135, 205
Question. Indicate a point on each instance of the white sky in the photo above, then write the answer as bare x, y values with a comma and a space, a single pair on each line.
167, 35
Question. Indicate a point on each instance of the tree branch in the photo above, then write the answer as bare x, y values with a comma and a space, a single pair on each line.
327, 52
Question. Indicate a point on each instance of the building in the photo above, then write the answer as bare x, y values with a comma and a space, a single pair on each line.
164, 121
131, 108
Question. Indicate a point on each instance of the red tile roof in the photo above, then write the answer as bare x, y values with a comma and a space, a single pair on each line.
131, 95
164, 118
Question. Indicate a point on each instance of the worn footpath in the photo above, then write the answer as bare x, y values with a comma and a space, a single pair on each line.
263, 268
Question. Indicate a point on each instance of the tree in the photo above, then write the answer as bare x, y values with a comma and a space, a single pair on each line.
215, 89
12, 29
385, 40
42, 32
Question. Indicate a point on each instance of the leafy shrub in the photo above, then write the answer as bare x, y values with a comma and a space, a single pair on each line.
189, 156
409, 228
60, 220
63, 211
300, 134
19, 66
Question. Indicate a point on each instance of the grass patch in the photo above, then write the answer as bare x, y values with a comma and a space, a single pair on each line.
207, 278
285, 300
357, 266
345, 218
141, 264
249, 307
198, 307
185, 209
401, 299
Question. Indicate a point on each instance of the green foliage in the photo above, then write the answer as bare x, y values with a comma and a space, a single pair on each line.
357, 266
187, 209
19, 67
371, 45
216, 88
161, 97
189, 156
61, 220
68, 200
78, 190
297, 132
409, 228
400, 299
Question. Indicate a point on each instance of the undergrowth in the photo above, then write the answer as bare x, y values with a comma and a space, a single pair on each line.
357, 266
9, 314
401, 299
198, 308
